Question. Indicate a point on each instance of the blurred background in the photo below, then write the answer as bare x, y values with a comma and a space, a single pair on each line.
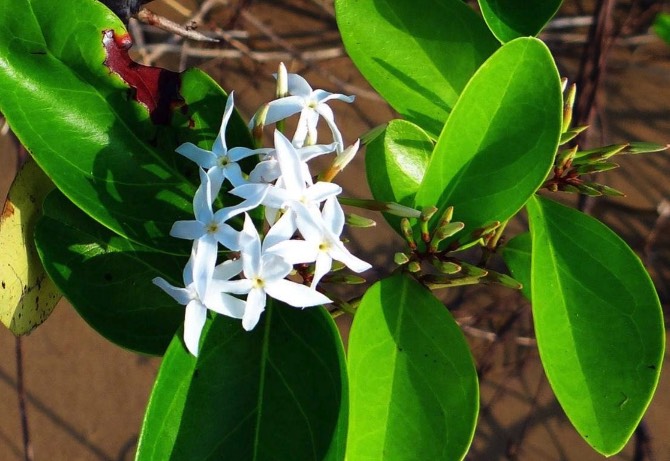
85, 397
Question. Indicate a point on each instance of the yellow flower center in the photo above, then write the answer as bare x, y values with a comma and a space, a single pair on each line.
257, 282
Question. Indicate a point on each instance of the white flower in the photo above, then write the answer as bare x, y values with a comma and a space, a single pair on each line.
220, 161
202, 291
311, 104
321, 242
294, 189
210, 228
265, 275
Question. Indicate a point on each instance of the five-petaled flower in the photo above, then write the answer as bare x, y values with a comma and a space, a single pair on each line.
203, 290
265, 274
311, 104
220, 162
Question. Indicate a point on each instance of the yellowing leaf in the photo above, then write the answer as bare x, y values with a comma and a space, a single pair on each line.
27, 294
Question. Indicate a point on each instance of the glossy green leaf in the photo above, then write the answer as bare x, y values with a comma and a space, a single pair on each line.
83, 125
278, 392
498, 145
517, 255
598, 323
107, 278
418, 55
413, 383
510, 19
395, 162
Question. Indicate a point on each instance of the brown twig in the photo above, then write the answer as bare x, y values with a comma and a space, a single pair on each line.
21, 395
197, 18
491, 336
149, 17
259, 56
594, 60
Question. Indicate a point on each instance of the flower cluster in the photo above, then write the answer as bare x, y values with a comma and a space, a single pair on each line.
304, 216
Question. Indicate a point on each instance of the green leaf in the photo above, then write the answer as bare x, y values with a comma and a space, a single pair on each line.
418, 55
107, 278
278, 392
27, 294
395, 162
162, 419
517, 254
662, 26
598, 323
62, 93
510, 19
413, 383
498, 145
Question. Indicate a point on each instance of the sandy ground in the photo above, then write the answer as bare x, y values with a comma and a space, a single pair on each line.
86, 397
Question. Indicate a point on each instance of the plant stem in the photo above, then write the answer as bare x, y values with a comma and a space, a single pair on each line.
21, 394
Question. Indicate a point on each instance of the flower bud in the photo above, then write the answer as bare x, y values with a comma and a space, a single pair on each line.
342, 159
569, 101
400, 259
282, 81
355, 220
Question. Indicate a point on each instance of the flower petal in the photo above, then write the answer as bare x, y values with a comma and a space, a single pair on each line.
273, 267
323, 264
203, 261
227, 270
189, 230
265, 171
298, 86
233, 172
236, 287
255, 306
187, 272
204, 158
333, 216
282, 108
327, 114
216, 177
238, 153
283, 229
339, 252
202, 200
289, 164
250, 246
311, 119
227, 305
181, 295
194, 320
310, 223
321, 191
322, 96
220, 148
295, 251
300, 135
227, 236
295, 294
253, 195
307, 153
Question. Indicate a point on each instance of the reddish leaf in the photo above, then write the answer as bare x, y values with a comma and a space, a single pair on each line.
155, 87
